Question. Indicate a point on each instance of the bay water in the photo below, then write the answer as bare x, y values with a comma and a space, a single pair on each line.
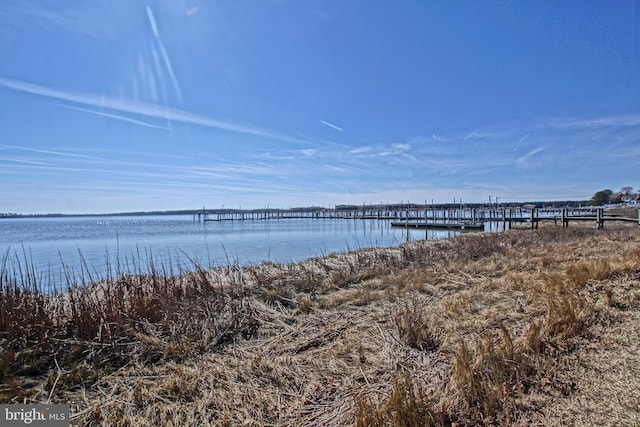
99, 247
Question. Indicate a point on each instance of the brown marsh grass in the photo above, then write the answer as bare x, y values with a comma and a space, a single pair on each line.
523, 327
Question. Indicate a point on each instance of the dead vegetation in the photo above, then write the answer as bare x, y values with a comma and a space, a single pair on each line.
518, 328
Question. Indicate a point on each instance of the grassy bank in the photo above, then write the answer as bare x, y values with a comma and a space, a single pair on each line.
522, 327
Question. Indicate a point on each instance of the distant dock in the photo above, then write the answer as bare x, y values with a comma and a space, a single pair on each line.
422, 216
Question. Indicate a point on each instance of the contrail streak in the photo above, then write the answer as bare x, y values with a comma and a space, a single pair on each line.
163, 52
114, 116
152, 22
144, 109
332, 126
167, 63
27, 162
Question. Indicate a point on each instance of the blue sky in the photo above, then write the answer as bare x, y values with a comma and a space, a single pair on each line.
127, 105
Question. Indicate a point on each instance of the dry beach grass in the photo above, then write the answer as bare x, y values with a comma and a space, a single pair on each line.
525, 327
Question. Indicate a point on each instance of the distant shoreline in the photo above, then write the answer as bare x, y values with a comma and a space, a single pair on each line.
60, 215
393, 206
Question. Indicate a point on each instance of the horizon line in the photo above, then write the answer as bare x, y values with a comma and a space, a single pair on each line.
290, 208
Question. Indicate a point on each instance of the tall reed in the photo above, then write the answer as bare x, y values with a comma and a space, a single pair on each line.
144, 317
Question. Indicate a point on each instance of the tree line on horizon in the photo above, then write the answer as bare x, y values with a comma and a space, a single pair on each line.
608, 197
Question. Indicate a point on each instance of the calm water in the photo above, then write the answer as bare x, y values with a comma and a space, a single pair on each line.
53, 244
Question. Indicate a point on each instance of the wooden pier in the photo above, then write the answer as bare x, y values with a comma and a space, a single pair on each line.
440, 225
421, 216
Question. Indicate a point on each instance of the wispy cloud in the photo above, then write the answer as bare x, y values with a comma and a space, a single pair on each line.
525, 161
359, 150
228, 169
394, 153
144, 109
520, 141
482, 135
331, 125
602, 121
93, 20
401, 147
343, 169
54, 152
